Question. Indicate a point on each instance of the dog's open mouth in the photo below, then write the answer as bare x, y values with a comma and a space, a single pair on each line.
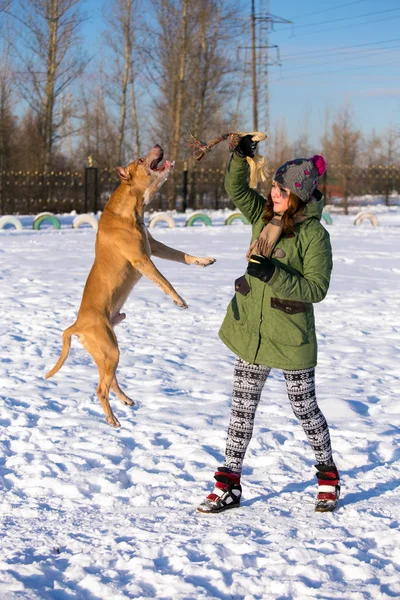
154, 163
156, 155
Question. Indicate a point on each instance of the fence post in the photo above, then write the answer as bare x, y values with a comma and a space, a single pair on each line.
2, 192
193, 185
185, 186
324, 180
346, 190
91, 189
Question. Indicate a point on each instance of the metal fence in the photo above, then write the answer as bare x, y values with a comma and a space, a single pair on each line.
89, 189
346, 186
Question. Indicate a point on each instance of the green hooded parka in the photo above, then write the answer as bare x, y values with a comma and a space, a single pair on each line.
273, 324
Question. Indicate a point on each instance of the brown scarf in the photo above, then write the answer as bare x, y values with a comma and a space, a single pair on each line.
268, 238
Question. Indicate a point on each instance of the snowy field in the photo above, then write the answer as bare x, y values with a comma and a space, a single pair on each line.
89, 512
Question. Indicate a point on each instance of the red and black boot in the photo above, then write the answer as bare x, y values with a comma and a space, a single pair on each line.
328, 488
226, 493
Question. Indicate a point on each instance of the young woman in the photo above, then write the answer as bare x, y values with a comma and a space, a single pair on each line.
270, 321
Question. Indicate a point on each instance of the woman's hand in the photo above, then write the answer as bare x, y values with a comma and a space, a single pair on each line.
246, 147
254, 249
261, 267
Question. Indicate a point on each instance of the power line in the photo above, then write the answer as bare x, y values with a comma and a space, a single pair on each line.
330, 9
372, 53
379, 12
324, 50
361, 53
338, 56
353, 25
397, 62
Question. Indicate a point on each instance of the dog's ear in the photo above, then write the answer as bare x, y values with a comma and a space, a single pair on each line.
123, 174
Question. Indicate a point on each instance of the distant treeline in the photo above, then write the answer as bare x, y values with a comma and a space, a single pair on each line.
164, 67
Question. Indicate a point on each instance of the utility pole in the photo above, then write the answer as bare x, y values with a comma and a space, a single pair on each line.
254, 65
265, 21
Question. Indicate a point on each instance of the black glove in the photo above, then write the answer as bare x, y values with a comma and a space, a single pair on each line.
261, 267
246, 147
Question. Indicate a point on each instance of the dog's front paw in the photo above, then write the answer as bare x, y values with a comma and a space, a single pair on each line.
204, 262
180, 302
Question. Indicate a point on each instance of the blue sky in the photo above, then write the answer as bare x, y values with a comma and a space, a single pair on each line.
335, 52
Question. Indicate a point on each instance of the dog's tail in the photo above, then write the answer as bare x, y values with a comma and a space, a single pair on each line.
64, 351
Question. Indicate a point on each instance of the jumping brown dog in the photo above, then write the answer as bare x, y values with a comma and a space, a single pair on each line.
122, 256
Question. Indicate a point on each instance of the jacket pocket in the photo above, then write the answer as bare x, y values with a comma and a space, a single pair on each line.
290, 307
242, 285
241, 303
291, 323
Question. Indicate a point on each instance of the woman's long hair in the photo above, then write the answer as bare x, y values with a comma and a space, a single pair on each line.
295, 208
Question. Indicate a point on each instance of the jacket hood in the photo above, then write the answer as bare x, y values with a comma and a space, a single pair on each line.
315, 207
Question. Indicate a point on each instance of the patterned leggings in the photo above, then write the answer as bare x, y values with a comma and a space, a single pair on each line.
248, 384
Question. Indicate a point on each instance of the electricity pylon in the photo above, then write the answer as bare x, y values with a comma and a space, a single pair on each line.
260, 61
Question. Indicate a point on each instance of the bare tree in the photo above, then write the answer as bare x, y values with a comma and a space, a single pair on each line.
196, 75
212, 70
5, 5
98, 133
190, 65
181, 78
280, 148
302, 145
51, 59
7, 120
390, 143
371, 152
162, 61
342, 150
28, 140
123, 25
134, 111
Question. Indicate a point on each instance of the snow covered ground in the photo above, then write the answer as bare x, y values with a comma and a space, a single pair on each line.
89, 512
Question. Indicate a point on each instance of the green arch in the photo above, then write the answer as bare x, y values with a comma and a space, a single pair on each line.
50, 218
199, 217
327, 218
236, 216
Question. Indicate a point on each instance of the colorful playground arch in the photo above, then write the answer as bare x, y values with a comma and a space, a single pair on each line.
162, 218
91, 219
49, 218
362, 216
9, 220
235, 217
327, 218
43, 214
85, 219
198, 217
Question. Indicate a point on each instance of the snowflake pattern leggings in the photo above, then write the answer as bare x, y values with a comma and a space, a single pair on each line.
248, 383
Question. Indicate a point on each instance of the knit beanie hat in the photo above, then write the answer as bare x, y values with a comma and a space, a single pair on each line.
300, 176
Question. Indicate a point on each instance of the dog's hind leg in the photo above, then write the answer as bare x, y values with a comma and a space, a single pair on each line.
102, 345
103, 390
120, 394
